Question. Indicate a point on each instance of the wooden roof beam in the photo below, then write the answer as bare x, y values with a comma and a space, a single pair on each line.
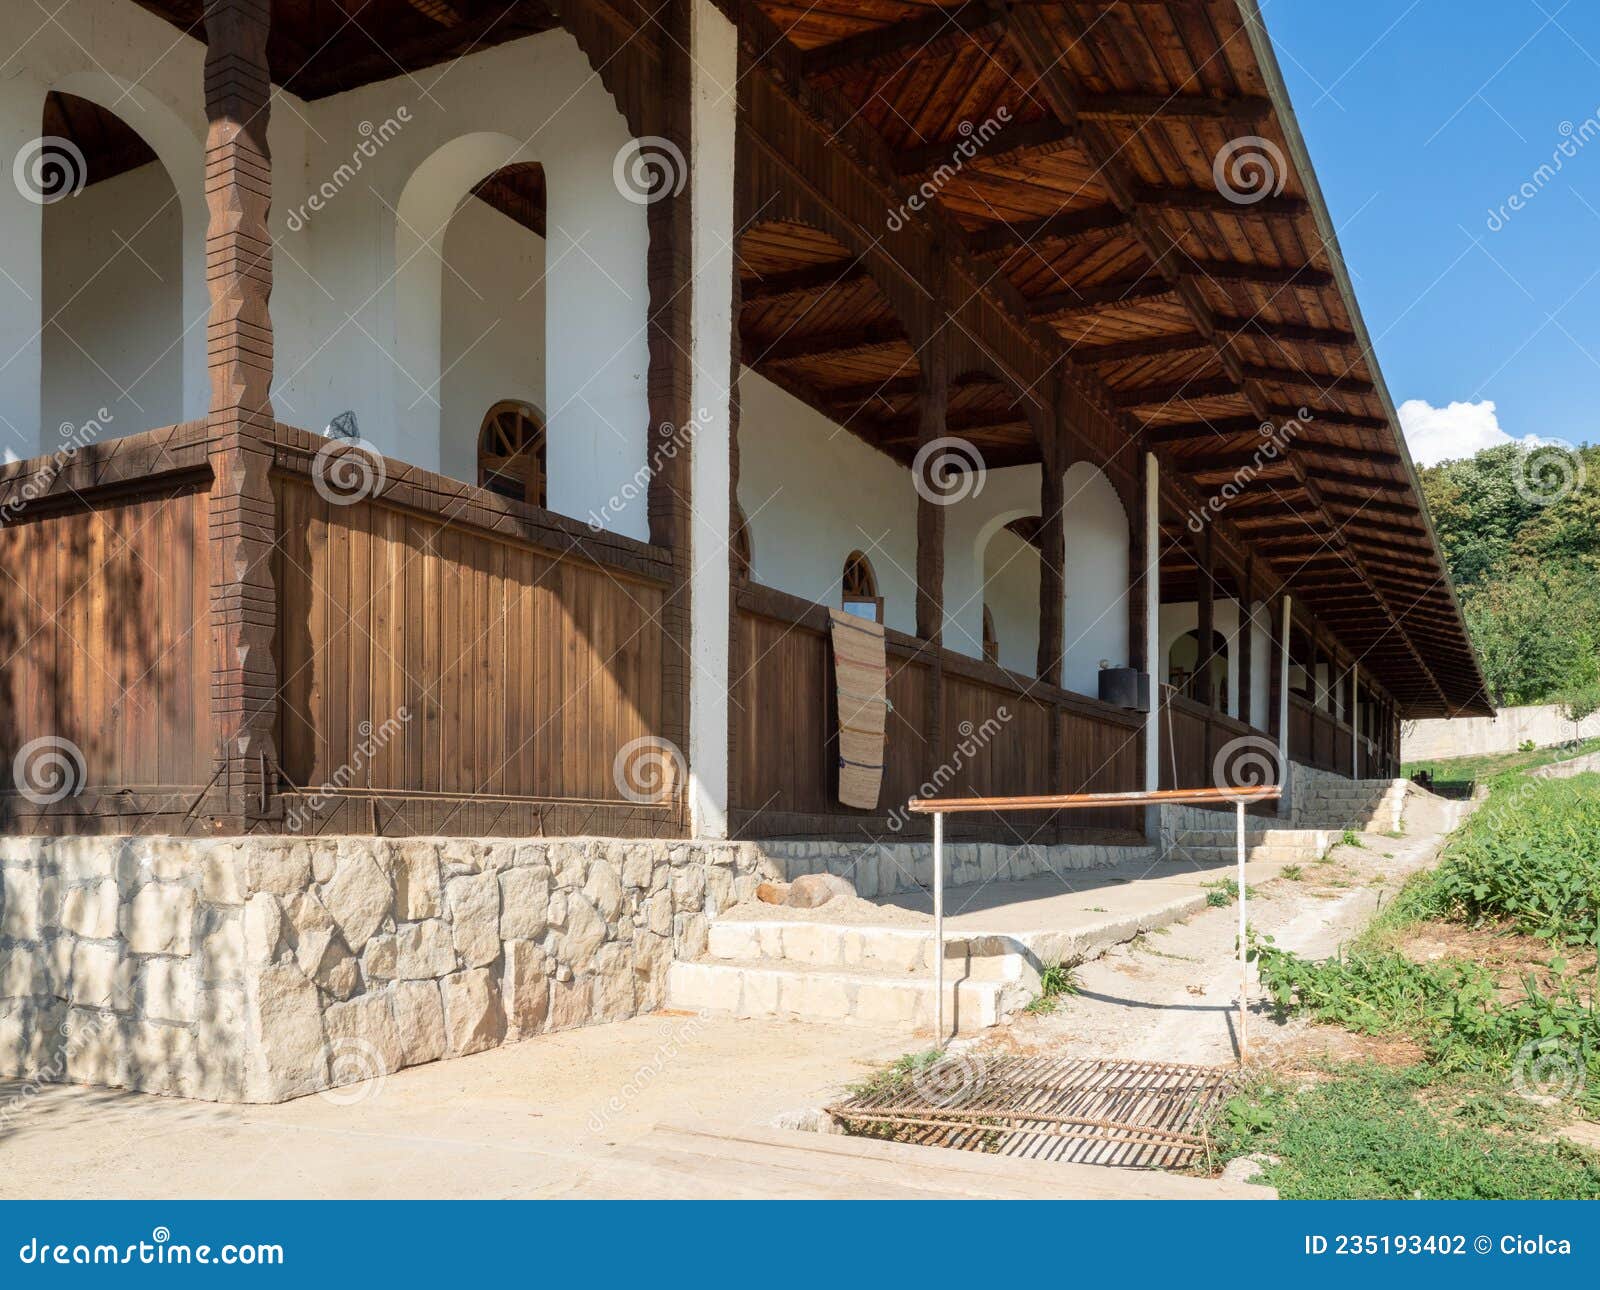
1094, 299
1327, 384
1150, 347
1218, 203
807, 280
1069, 226
1246, 110
1264, 329
1186, 388
1294, 275
913, 35
1007, 143
880, 335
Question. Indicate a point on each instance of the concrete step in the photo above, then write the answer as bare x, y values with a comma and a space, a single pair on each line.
857, 996
1271, 840
1221, 857
842, 945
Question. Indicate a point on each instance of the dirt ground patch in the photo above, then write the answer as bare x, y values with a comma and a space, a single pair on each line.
1510, 957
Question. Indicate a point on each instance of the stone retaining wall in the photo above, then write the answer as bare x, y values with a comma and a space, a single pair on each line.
260, 969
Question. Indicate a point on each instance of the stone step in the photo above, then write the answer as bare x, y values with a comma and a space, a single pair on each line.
1274, 838
839, 996
847, 946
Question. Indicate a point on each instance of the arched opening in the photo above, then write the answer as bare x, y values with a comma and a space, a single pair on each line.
1183, 662
860, 588
112, 276
492, 331
1095, 624
511, 452
991, 642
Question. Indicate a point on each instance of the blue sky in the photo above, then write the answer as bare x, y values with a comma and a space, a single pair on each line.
1423, 120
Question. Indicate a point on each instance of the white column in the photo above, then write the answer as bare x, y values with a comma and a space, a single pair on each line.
1283, 697
1152, 619
714, 58
21, 277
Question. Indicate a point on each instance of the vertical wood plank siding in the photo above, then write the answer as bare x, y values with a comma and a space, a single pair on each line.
420, 657
104, 645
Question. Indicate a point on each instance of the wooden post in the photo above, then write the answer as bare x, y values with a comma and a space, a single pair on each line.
1246, 642
932, 403
1052, 558
1204, 692
243, 523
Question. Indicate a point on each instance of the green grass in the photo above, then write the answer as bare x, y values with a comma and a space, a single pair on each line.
1057, 982
1454, 1124
1351, 838
1372, 1133
1463, 772
1293, 872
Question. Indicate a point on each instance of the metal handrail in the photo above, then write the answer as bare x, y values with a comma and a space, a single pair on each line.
939, 807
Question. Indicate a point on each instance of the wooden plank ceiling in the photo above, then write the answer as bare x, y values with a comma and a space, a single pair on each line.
1203, 315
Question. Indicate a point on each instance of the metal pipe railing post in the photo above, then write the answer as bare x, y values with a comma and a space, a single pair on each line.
1244, 956
938, 928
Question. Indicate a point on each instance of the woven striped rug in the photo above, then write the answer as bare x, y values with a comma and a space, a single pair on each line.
859, 666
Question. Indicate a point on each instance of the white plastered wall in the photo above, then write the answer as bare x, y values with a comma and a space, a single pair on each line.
1097, 578
364, 188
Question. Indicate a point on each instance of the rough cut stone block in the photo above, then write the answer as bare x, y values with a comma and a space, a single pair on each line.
363, 1040
288, 1055
424, 950
359, 896
166, 990
416, 880
101, 977
613, 983
473, 1018
636, 867
525, 987
379, 961
222, 876
25, 972
20, 893
90, 911
584, 934
419, 1020
159, 919
474, 901
95, 1051
283, 868
524, 903
571, 1002
167, 859
263, 929
689, 889
81, 859
161, 1059
603, 889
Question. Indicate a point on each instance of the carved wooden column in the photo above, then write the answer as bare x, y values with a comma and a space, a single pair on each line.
932, 403
1052, 553
243, 525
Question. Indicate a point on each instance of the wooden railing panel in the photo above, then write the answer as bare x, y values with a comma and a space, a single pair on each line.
104, 644
421, 657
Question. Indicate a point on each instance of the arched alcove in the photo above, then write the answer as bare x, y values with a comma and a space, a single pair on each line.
1096, 618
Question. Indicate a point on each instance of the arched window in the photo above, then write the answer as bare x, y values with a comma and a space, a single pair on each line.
991, 642
511, 452
861, 588
741, 544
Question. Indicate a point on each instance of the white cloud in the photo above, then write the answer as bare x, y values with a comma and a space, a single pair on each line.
1454, 431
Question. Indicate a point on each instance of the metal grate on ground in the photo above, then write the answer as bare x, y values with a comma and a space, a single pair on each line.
1128, 1113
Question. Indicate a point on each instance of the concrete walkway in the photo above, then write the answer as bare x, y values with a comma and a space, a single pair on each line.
595, 1113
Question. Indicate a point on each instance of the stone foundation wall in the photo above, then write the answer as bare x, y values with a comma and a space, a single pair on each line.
260, 969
